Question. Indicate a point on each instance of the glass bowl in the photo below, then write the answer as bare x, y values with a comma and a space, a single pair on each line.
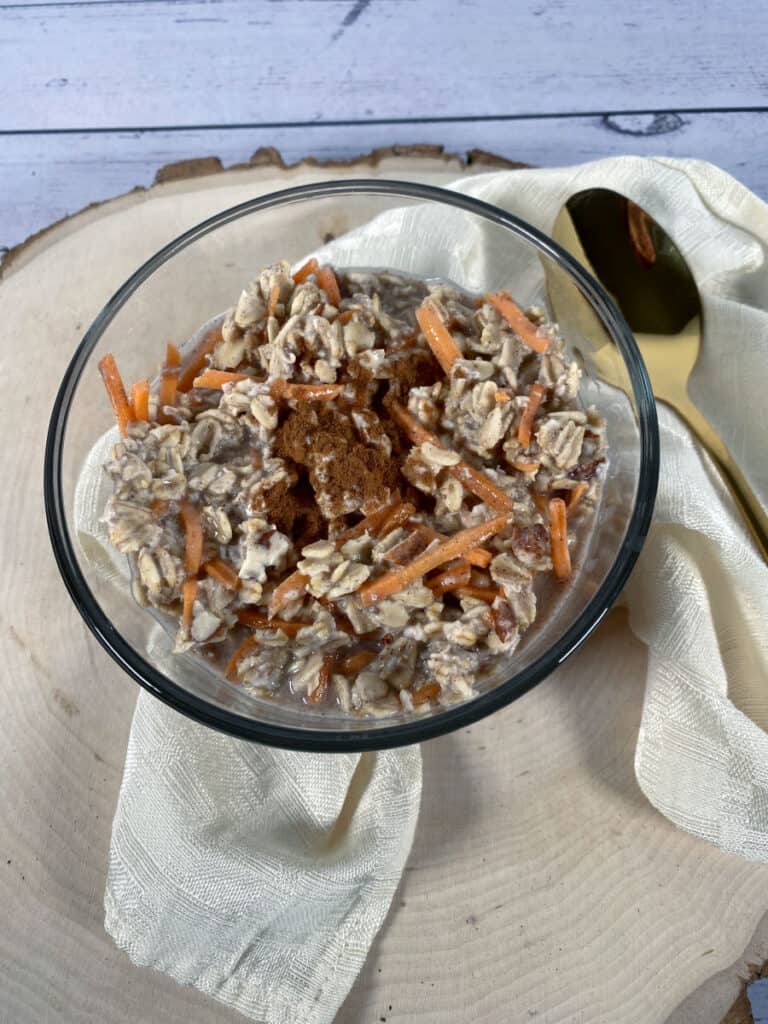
426, 231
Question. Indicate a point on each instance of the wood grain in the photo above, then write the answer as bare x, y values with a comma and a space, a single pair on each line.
44, 177
117, 65
541, 884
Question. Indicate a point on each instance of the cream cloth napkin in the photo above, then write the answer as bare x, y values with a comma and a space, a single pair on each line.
261, 876
699, 594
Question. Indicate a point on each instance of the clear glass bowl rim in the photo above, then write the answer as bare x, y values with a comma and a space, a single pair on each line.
401, 732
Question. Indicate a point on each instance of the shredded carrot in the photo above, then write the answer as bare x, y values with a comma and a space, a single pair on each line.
479, 557
540, 502
188, 594
487, 594
217, 379
439, 338
140, 399
323, 679
577, 494
454, 576
172, 356
193, 540
346, 316
398, 516
310, 267
274, 298
503, 396
291, 589
518, 321
471, 479
408, 548
222, 572
639, 226
396, 580
371, 524
424, 694
480, 578
524, 429
257, 620
159, 507
305, 392
245, 648
476, 556
526, 467
354, 663
558, 532
113, 382
198, 358
169, 380
330, 285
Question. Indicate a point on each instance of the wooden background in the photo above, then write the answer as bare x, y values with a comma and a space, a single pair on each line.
95, 95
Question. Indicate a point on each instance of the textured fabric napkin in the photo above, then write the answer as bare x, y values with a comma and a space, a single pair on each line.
261, 876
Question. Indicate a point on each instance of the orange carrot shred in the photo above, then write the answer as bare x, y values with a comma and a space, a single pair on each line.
113, 382
398, 516
188, 594
503, 396
535, 395
305, 392
471, 479
140, 399
222, 572
245, 648
198, 358
310, 267
396, 580
320, 692
257, 620
354, 663
218, 378
577, 494
274, 298
439, 338
371, 524
518, 321
159, 507
328, 281
346, 316
540, 502
169, 380
639, 226
454, 576
193, 542
558, 532
487, 594
424, 694
172, 357
291, 589
475, 556
408, 548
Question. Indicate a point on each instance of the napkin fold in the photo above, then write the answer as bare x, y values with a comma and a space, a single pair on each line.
261, 876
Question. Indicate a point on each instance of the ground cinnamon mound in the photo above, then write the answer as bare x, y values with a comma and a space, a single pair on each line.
414, 368
346, 475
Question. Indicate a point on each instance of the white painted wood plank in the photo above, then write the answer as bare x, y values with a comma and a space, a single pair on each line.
119, 65
43, 177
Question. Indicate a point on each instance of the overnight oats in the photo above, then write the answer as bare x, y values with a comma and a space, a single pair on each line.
350, 489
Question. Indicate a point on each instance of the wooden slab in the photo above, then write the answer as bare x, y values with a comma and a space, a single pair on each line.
542, 886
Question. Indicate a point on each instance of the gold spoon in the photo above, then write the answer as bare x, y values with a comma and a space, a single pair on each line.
620, 244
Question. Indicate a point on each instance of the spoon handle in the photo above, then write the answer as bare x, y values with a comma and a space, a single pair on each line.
749, 505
